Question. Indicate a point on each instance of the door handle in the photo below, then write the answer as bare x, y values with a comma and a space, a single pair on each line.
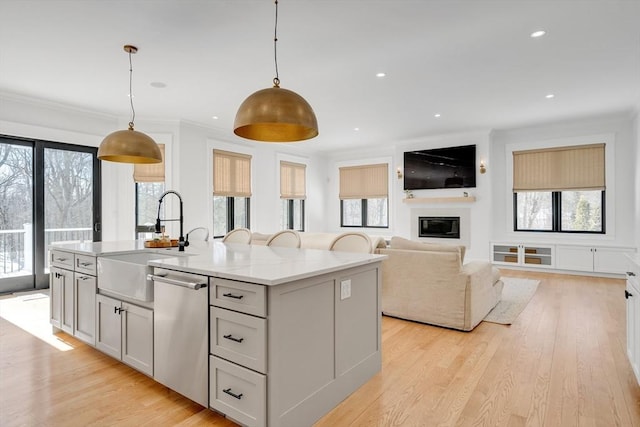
627, 294
230, 393
230, 295
630, 273
96, 227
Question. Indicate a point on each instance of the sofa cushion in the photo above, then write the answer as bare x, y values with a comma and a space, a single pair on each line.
401, 243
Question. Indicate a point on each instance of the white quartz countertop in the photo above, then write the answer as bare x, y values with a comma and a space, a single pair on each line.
249, 263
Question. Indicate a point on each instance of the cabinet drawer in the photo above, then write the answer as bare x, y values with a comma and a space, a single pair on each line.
85, 264
239, 296
61, 259
239, 338
237, 392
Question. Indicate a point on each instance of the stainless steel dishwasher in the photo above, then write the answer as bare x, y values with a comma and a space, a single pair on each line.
180, 329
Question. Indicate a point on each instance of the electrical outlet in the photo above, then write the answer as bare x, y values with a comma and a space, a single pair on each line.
345, 289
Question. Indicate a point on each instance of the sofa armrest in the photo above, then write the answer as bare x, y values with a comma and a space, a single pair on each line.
480, 293
477, 267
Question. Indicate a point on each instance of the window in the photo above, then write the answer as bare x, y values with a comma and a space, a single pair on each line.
49, 192
150, 186
229, 213
231, 191
364, 196
560, 189
292, 195
147, 196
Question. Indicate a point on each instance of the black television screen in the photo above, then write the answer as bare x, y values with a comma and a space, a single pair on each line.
451, 167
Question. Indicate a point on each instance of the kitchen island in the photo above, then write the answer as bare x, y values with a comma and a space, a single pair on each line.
291, 332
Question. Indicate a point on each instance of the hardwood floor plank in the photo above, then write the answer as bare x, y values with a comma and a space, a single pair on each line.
562, 362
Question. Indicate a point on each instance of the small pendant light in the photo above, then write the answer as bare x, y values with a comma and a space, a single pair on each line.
275, 114
129, 146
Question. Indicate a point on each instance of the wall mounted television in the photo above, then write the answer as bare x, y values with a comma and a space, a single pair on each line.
450, 167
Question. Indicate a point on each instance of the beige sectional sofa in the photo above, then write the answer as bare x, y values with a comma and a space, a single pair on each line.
424, 282
316, 240
429, 283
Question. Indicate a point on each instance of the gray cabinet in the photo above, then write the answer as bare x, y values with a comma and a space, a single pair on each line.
285, 355
240, 337
125, 331
61, 299
632, 294
72, 284
84, 313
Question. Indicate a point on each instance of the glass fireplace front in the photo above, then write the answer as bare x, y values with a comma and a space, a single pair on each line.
443, 227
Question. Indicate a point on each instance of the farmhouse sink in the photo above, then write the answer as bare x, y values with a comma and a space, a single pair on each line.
126, 274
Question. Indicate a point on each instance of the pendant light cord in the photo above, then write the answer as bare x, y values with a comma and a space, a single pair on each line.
276, 80
133, 111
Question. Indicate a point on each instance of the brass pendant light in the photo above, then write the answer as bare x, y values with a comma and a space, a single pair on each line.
129, 146
275, 114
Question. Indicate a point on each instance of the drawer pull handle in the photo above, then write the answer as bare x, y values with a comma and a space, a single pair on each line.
630, 273
230, 295
230, 393
232, 338
61, 259
83, 278
86, 264
627, 294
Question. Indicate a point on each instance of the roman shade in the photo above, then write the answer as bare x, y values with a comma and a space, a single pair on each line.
364, 182
150, 172
561, 168
292, 180
231, 174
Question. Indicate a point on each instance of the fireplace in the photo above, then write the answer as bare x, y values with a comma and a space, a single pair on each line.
442, 227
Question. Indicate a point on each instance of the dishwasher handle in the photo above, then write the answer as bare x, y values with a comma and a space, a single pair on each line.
190, 285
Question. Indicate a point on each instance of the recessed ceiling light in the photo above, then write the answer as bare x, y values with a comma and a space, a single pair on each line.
538, 33
159, 85
436, 115
214, 117
381, 74
356, 129
549, 96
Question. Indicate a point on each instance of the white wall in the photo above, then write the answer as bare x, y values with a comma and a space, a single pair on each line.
637, 174
400, 214
188, 165
265, 181
616, 131
189, 172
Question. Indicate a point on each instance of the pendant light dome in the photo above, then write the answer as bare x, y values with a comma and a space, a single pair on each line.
129, 146
275, 114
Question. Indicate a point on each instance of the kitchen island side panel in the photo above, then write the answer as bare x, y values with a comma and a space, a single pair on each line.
321, 347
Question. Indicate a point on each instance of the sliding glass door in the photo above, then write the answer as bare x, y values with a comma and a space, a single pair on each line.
49, 192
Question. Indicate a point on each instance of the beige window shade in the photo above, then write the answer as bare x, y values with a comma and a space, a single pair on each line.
231, 174
364, 182
562, 168
150, 172
292, 180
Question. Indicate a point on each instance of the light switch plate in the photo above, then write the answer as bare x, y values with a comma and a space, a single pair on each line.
345, 289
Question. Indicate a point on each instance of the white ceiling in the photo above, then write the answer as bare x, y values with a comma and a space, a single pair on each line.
471, 61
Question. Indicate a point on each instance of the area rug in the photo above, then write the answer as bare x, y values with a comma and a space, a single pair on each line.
516, 294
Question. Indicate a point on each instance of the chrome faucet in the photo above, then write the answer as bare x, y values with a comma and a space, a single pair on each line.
181, 244
206, 236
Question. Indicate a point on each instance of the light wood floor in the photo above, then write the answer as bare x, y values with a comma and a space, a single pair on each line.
562, 363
